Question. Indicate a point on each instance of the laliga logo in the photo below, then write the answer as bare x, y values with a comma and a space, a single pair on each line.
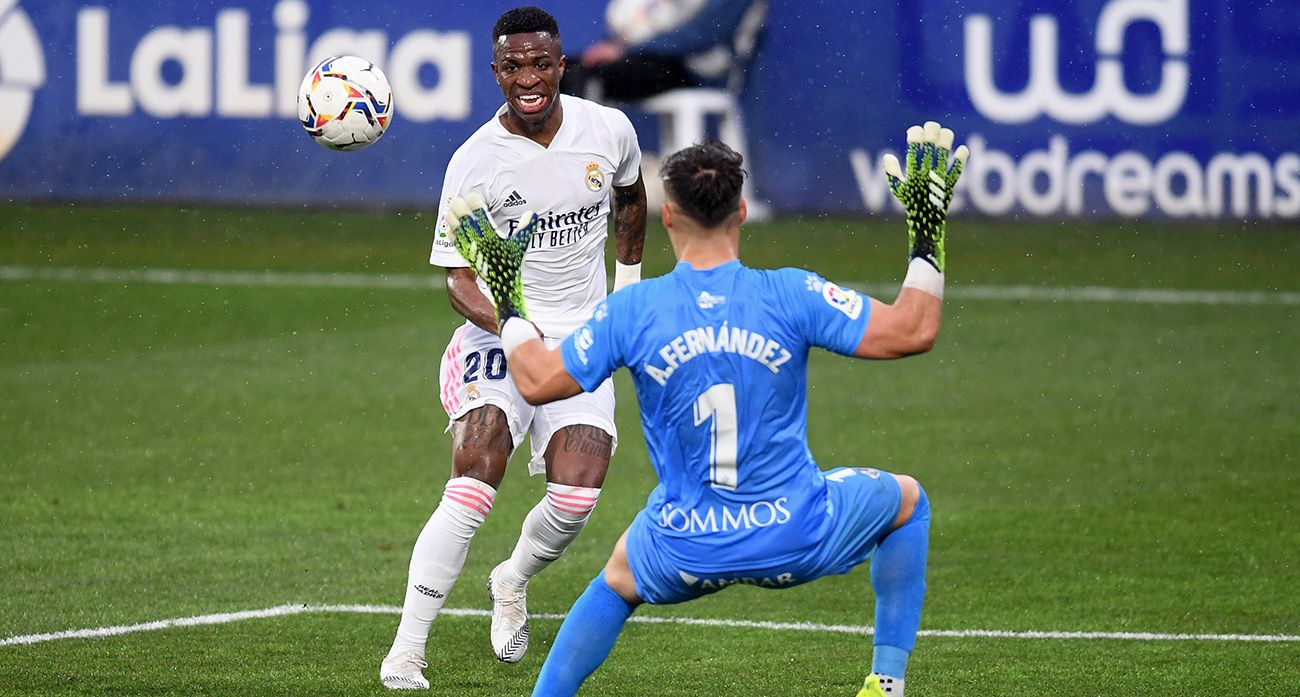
22, 71
1108, 96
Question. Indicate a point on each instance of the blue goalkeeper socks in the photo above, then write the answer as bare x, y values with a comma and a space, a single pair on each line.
898, 578
584, 641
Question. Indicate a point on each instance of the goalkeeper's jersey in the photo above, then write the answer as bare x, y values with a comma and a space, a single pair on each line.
719, 359
568, 185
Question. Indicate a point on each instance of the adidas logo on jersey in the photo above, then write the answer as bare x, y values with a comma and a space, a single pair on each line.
514, 199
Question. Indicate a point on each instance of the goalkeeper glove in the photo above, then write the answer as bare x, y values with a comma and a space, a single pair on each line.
496, 259
926, 193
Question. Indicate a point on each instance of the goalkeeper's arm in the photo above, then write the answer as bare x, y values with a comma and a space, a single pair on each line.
907, 327
911, 324
538, 372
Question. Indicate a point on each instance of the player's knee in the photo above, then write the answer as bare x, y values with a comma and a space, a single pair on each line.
467, 501
620, 581
570, 506
911, 493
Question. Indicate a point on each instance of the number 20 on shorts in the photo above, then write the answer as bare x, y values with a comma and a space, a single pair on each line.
491, 362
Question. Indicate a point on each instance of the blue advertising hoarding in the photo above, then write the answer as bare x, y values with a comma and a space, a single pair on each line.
1118, 108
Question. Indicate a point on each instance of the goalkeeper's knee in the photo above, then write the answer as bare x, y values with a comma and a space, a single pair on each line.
915, 505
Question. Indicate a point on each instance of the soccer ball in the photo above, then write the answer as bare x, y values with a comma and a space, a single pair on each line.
345, 103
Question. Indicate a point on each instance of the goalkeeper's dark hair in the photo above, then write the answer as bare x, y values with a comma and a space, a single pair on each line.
704, 181
525, 20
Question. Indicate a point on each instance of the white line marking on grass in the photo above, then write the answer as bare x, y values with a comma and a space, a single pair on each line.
1144, 296
298, 279
197, 621
286, 610
242, 279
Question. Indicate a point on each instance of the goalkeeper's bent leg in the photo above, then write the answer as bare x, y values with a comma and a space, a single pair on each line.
439, 556
585, 639
898, 579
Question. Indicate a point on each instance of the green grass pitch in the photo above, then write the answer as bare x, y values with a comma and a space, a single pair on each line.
177, 450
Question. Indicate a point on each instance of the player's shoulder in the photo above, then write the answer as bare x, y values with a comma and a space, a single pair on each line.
593, 115
786, 279
474, 153
592, 109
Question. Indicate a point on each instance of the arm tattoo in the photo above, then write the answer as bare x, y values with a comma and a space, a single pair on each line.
629, 221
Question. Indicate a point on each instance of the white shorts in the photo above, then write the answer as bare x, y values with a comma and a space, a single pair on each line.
474, 374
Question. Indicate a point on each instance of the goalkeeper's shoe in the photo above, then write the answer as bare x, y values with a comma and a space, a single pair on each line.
404, 671
509, 619
878, 685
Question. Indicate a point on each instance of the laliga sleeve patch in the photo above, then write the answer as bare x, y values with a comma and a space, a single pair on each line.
442, 232
846, 301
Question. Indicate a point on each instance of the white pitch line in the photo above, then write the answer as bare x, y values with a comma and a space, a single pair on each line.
243, 279
299, 279
285, 610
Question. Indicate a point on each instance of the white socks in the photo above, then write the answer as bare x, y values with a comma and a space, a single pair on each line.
440, 550
548, 529
438, 557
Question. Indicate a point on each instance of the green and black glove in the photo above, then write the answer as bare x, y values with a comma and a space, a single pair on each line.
926, 193
496, 259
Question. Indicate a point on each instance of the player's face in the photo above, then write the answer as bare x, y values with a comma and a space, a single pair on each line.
529, 67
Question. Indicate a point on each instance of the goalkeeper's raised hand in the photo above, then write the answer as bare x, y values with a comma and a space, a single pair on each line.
496, 259
926, 192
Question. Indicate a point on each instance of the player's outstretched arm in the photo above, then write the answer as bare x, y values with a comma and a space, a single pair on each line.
629, 232
907, 327
911, 324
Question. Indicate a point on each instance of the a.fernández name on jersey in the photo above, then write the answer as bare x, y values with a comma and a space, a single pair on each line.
564, 228
721, 339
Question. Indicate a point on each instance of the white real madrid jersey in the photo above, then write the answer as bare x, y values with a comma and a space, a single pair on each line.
568, 185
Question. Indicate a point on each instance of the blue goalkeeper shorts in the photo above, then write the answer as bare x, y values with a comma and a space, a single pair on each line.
863, 504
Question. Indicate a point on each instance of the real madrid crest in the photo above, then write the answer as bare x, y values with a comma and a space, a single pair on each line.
595, 178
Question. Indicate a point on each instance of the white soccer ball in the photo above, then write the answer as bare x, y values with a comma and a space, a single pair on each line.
345, 103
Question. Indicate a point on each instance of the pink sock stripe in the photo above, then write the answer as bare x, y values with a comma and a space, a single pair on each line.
468, 502
574, 503
471, 494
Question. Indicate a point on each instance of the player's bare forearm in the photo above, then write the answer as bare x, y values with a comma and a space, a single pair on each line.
911, 324
629, 221
539, 373
907, 327
469, 301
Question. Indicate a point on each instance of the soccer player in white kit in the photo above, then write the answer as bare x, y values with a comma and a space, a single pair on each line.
563, 158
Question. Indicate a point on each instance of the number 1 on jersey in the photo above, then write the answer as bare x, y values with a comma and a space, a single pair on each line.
719, 403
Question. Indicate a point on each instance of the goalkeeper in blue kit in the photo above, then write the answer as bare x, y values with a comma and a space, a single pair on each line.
718, 353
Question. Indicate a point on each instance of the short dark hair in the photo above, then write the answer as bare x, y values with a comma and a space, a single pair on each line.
704, 180
525, 20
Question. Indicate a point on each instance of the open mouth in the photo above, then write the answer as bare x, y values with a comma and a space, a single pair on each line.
532, 103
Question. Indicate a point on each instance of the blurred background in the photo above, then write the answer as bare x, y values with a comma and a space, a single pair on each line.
1174, 109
